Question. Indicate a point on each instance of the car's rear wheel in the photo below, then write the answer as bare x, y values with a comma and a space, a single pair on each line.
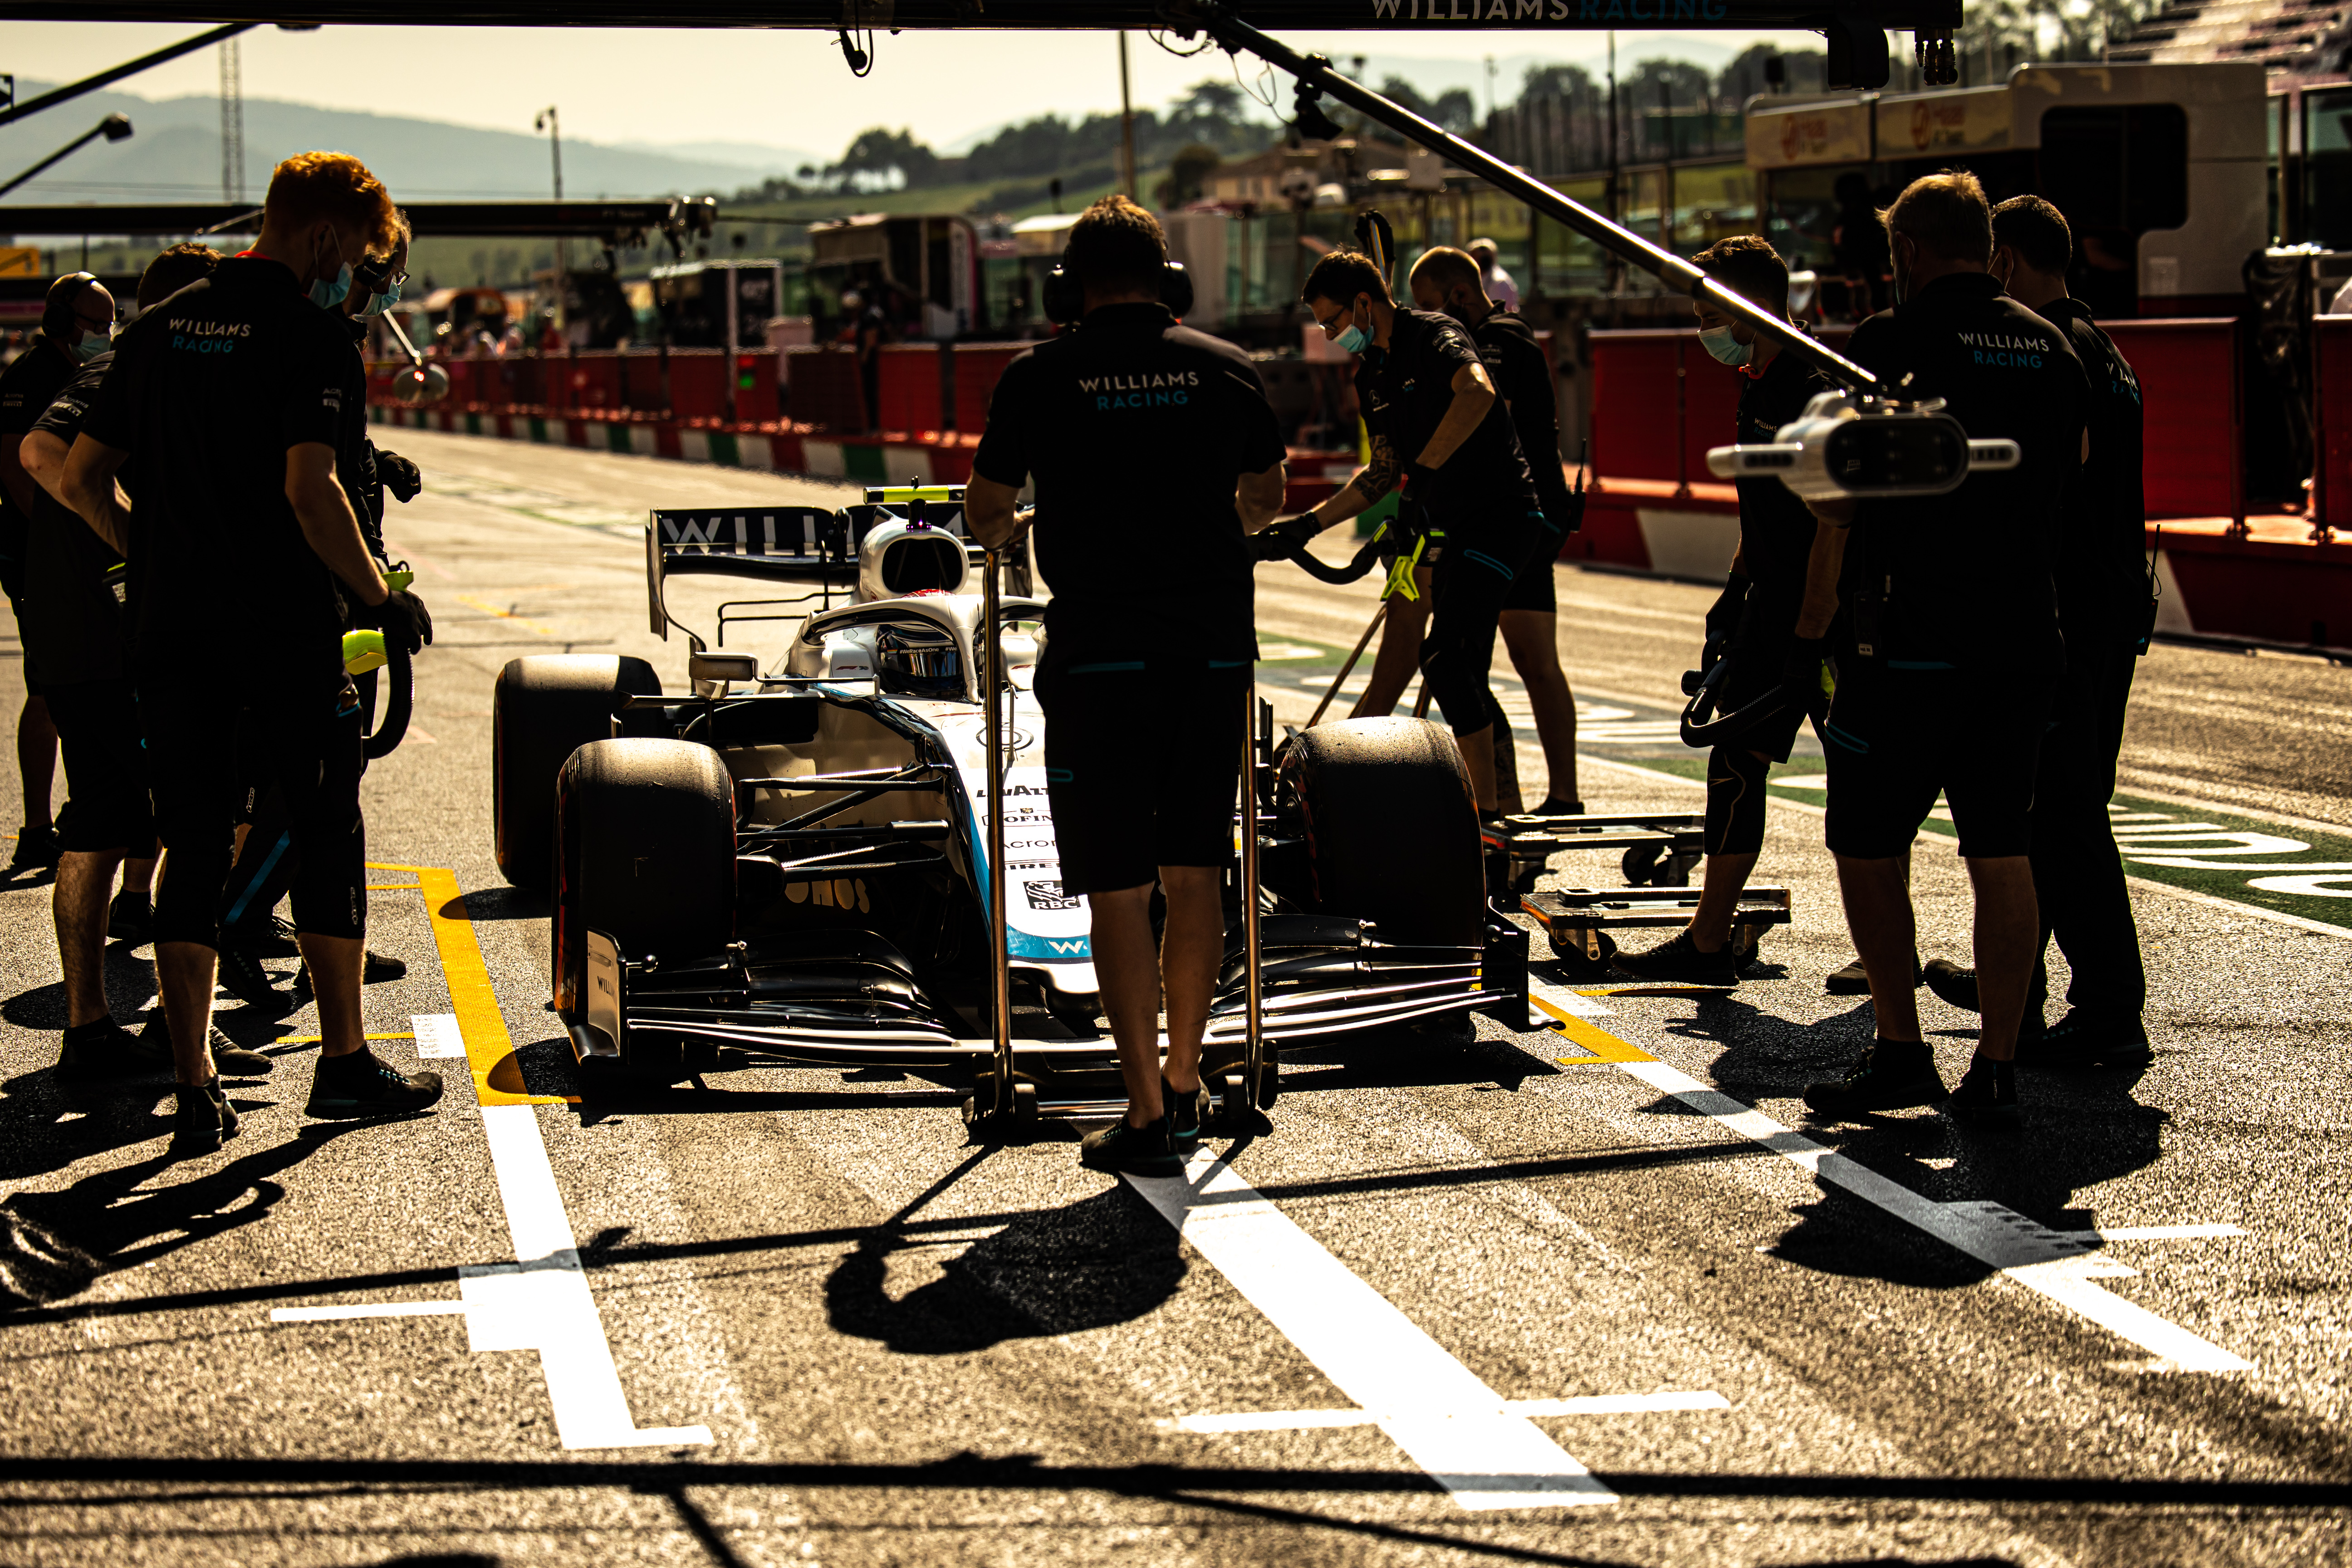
542, 710
645, 842
1392, 830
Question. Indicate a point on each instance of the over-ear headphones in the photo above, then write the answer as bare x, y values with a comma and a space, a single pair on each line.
59, 323
1065, 296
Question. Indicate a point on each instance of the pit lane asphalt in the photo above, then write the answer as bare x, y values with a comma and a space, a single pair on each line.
907, 1349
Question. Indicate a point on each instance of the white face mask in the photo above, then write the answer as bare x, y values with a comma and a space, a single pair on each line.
1719, 342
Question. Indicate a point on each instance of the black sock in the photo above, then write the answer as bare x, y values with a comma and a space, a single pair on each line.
2003, 1073
105, 1028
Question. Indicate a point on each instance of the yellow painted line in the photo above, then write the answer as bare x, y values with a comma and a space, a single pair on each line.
314, 1039
392, 887
487, 608
1602, 1046
489, 1050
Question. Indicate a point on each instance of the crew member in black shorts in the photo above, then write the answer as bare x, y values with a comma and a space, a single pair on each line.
1955, 636
1752, 622
2105, 607
1153, 450
75, 645
1437, 428
229, 396
76, 322
1449, 281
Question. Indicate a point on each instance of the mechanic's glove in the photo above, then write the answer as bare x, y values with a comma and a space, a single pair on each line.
1420, 478
399, 476
1283, 538
1803, 674
402, 619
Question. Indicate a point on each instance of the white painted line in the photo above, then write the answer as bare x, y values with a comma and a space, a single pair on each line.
1574, 1003
379, 1309
2056, 1266
2154, 1233
541, 1301
2260, 913
1581, 1404
437, 1035
1430, 1405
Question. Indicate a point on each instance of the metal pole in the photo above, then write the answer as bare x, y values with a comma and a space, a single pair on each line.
1126, 123
114, 128
1315, 72
1000, 984
1254, 1050
1339, 680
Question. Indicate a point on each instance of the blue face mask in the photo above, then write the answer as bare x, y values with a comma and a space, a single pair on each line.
379, 303
91, 346
326, 295
1355, 339
1719, 342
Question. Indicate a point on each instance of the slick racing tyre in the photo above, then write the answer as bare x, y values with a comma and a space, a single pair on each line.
644, 840
1392, 830
543, 709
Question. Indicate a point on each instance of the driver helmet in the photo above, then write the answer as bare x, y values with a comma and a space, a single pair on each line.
918, 660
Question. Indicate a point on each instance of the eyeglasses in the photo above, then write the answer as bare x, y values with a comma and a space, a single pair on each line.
1330, 324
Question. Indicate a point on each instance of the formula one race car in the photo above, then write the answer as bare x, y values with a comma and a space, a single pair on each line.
795, 862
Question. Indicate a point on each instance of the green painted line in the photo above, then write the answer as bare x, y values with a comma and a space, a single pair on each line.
616, 438
864, 463
473, 423
723, 449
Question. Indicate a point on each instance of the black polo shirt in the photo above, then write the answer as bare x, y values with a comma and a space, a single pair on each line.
1136, 430
1523, 376
1966, 578
28, 387
1404, 391
1776, 531
208, 392
75, 584
2102, 566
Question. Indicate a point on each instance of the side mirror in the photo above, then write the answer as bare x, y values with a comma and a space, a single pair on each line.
720, 667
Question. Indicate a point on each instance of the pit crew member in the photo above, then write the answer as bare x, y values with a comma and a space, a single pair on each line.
2104, 609
230, 398
1954, 634
1154, 450
76, 322
74, 645
1438, 427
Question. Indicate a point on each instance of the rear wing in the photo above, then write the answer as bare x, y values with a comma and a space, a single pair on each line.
802, 545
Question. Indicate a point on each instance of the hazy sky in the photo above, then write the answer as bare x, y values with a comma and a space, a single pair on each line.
785, 88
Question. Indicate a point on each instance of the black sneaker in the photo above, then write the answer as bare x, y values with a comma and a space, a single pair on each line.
1678, 962
374, 971
1132, 1151
1555, 806
37, 848
151, 1049
2083, 1039
131, 919
1954, 984
243, 977
1183, 1117
103, 1049
1986, 1093
1893, 1075
360, 1085
204, 1120
1852, 981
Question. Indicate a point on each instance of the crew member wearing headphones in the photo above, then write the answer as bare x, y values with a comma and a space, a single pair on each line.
2105, 610
230, 397
77, 587
1143, 732
76, 324
1439, 428
1753, 620
1448, 281
1956, 649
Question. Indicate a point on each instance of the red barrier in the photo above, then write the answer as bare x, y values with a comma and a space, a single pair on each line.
755, 387
2332, 419
642, 378
584, 382
826, 390
978, 367
908, 393
2192, 409
697, 383
1636, 404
